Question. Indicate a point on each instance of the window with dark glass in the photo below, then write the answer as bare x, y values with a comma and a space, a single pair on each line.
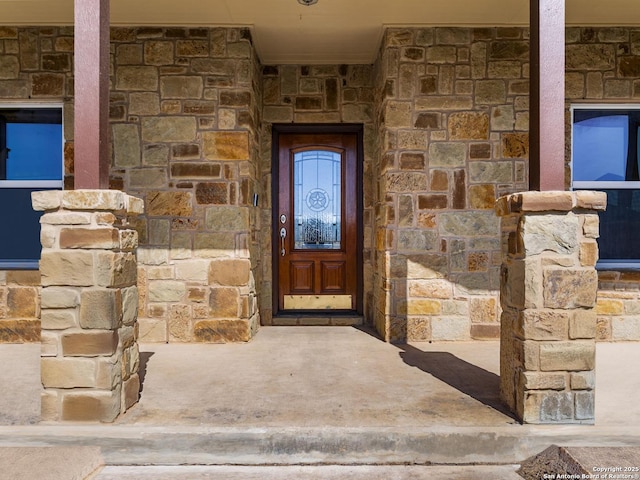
605, 157
30, 159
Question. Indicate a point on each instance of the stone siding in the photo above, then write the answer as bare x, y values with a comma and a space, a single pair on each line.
185, 103
453, 122
445, 114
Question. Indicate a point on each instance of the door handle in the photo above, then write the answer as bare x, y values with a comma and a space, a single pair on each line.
283, 235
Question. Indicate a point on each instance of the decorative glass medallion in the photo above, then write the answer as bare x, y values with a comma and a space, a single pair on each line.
317, 199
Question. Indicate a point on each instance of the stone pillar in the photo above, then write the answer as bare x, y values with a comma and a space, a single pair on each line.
548, 295
89, 302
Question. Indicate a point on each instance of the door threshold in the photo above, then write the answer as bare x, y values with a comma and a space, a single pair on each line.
317, 319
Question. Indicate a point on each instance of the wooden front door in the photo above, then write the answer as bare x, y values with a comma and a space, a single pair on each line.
316, 222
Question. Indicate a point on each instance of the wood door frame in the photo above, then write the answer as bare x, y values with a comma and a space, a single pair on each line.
316, 128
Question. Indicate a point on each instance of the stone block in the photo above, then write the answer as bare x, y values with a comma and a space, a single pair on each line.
144, 103
128, 240
174, 204
152, 330
180, 323
468, 224
109, 372
181, 87
625, 328
166, 291
68, 372
212, 193
100, 309
482, 197
48, 344
582, 324
483, 310
126, 145
415, 306
222, 331
543, 325
548, 407
73, 268
224, 302
515, 145
212, 245
229, 272
19, 331
89, 344
489, 172
131, 391
49, 410
227, 219
567, 356
485, 331
174, 129
583, 380
137, 78
590, 200
22, 302
94, 200
398, 115
225, 145
66, 218
23, 278
590, 57
58, 319
436, 288
450, 328
588, 253
88, 238
94, 406
468, 126
566, 288
543, 381
447, 154
585, 406
46, 200
115, 269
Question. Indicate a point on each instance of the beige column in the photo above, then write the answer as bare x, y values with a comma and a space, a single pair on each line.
89, 302
548, 296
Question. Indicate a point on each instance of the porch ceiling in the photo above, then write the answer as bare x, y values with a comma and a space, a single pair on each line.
333, 31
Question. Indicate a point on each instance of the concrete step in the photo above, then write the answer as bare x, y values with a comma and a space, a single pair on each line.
49, 463
324, 472
583, 462
184, 445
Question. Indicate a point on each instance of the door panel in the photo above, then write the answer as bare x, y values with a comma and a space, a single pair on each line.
317, 215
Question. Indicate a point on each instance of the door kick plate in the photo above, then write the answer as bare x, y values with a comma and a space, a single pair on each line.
317, 302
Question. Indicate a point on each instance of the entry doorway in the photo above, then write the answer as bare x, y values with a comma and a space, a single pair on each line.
317, 220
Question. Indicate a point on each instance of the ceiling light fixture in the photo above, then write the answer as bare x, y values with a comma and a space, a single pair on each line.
307, 2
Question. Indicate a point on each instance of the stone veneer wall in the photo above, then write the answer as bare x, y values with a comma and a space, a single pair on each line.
316, 94
453, 126
445, 134
185, 105
603, 66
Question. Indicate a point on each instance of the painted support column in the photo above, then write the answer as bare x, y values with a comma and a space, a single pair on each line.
91, 94
548, 296
546, 117
89, 304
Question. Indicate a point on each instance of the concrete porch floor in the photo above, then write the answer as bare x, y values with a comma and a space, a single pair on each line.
320, 395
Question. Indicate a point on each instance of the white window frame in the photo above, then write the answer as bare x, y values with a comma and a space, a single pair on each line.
630, 264
45, 184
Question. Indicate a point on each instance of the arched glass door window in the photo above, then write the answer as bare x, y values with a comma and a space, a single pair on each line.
317, 199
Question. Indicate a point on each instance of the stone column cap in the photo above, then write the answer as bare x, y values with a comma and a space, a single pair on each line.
551, 201
104, 200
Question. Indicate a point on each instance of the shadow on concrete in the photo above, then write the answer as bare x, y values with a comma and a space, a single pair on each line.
476, 382
142, 371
